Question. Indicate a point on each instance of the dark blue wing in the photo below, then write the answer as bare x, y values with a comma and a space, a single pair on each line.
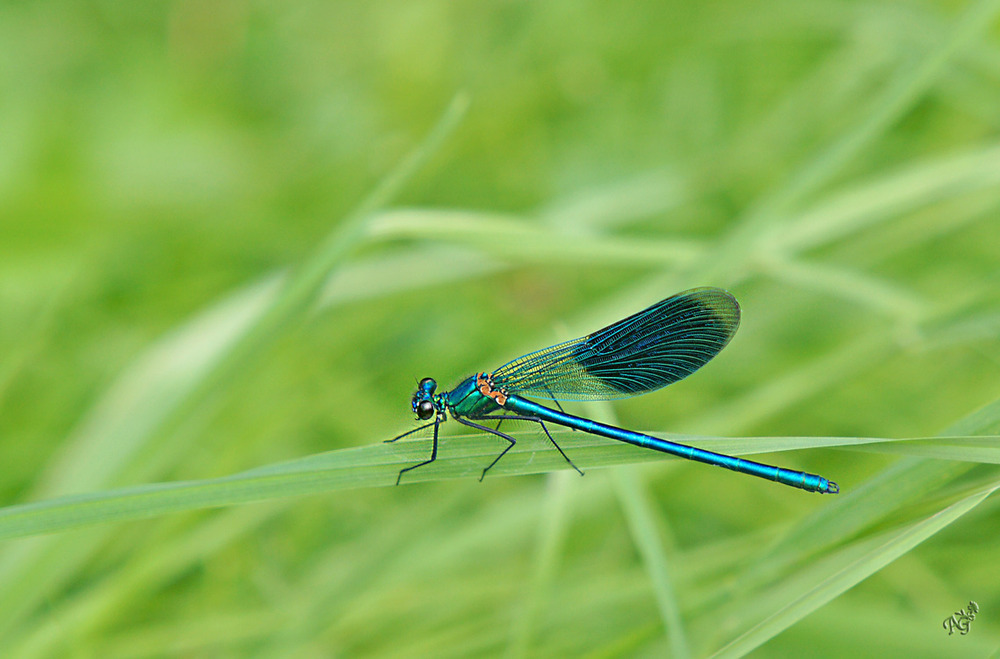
648, 350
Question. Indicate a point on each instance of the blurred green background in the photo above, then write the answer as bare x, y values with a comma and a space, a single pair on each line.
836, 165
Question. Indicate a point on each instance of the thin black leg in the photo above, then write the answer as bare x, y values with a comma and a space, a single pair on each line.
434, 448
553, 397
554, 400
410, 432
511, 439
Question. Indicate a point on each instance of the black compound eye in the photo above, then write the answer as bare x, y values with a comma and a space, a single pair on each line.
428, 385
425, 410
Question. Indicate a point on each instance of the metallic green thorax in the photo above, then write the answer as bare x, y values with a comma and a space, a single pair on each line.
467, 400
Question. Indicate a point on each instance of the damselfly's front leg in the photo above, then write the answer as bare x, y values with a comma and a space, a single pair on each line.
434, 446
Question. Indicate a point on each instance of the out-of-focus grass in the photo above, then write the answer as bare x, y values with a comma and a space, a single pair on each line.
173, 314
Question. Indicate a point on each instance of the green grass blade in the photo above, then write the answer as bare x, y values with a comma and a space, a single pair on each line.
644, 525
460, 456
898, 95
552, 528
175, 379
520, 240
858, 208
901, 484
842, 571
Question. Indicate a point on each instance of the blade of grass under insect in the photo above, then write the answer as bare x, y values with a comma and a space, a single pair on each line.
365, 466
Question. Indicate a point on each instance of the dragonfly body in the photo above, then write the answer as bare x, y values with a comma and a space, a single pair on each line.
643, 352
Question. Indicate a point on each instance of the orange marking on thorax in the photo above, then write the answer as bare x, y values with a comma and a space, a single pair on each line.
485, 383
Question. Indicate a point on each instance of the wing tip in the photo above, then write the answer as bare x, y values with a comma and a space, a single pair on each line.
721, 304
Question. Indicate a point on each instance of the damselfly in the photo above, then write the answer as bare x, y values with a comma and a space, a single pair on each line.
648, 350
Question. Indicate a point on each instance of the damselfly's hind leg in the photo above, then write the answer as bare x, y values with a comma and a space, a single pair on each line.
513, 417
510, 439
554, 400
434, 446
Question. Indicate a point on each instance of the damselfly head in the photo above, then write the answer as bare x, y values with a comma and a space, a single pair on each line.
423, 399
